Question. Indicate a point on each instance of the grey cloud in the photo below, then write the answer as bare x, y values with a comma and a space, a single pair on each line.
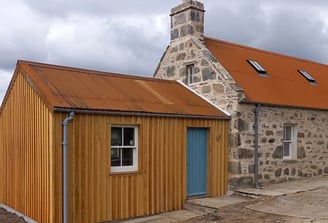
99, 35
4, 82
242, 23
115, 45
276, 26
62, 8
296, 34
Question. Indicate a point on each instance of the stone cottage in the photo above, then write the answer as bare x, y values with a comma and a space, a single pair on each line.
278, 103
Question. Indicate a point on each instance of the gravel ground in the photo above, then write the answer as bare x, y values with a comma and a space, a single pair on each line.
315, 200
238, 213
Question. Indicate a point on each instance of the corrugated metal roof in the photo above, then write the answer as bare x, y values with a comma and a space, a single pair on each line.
66, 87
284, 84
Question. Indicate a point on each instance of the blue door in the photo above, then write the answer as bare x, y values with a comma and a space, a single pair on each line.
196, 161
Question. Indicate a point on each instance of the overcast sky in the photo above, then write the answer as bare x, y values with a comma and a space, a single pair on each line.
128, 36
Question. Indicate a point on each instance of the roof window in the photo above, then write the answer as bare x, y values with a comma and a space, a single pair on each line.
307, 76
257, 67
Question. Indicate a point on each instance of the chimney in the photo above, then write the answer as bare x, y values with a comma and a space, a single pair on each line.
187, 20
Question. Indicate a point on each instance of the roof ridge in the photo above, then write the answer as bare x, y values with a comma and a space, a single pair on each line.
266, 51
90, 71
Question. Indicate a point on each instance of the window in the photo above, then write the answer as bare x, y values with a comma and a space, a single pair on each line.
124, 144
289, 142
190, 73
307, 76
257, 67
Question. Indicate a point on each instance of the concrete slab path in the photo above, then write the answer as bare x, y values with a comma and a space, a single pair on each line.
288, 200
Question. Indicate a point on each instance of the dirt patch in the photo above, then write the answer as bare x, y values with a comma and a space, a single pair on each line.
7, 217
238, 213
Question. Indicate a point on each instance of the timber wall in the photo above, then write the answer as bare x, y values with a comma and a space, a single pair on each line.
159, 185
31, 162
25, 144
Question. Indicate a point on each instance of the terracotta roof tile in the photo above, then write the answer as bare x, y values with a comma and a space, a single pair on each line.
66, 87
284, 85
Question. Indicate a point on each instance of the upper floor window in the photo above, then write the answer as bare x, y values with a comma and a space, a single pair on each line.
124, 146
190, 73
289, 142
257, 67
307, 76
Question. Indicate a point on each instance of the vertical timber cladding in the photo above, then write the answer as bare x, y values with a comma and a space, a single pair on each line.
25, 147
2, 162
95, 194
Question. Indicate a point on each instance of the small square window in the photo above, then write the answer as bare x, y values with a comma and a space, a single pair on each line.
289, 142
124, 154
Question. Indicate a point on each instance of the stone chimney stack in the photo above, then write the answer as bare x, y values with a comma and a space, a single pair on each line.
187, 19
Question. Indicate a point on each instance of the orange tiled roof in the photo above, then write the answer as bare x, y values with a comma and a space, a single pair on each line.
284, 85
72, 88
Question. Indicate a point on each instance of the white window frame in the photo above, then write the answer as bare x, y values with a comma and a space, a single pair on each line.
134, 167
292, 142
190, 73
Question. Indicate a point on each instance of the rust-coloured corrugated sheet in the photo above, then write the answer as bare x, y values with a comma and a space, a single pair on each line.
284, 86
65, 87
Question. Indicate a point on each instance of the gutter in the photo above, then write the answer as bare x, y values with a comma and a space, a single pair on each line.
142, 114
256, 144
244, 101
65, 165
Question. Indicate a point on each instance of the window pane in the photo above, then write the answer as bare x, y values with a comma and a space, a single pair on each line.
128, 136
116, 157
190, 73
288, 133
116, 136
127, 156
286, 149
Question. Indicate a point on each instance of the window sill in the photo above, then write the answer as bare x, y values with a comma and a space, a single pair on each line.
136, 172
290, 161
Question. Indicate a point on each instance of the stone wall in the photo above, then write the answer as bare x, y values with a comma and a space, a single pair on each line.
214, 82
211, 80
312, 145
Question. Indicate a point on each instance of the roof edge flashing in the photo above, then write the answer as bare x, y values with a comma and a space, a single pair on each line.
204, 98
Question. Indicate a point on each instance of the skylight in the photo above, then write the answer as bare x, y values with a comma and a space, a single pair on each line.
257, 66
307, 76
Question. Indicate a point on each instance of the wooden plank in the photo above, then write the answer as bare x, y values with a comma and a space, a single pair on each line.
159, 185
24, 152
95, 194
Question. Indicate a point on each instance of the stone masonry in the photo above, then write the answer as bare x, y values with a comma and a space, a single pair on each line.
311, 155
212, 81
187, 19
